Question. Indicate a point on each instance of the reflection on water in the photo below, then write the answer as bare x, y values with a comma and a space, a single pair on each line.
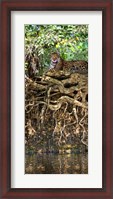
56, 164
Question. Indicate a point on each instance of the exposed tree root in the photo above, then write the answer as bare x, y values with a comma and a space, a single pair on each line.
56, 108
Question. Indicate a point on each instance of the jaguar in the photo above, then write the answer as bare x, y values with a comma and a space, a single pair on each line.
78, 66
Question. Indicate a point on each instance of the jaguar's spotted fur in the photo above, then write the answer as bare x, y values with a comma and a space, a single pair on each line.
58, 63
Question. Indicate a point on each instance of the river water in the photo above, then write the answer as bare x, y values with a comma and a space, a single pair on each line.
56, 163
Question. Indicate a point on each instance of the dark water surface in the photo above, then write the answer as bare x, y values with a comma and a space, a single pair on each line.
56, 163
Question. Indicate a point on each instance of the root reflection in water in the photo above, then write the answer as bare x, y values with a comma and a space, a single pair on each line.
56, 164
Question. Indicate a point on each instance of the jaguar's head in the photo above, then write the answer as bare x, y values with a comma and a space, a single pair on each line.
55, 58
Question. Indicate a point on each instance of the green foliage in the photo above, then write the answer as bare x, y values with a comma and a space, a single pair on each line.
70, 40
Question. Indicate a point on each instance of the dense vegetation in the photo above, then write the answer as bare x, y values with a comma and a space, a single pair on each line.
71, 41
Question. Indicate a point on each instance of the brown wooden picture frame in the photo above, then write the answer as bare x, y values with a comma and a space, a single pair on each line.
106, 6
